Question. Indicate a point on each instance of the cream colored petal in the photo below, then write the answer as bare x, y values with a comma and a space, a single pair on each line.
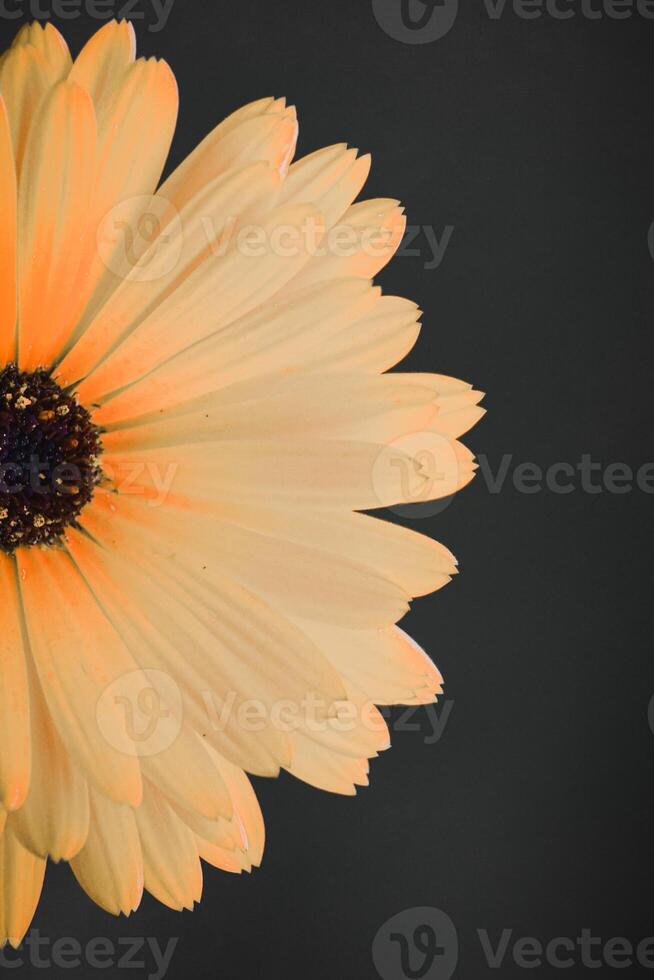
386, 665
361, 244
185, 773
245, 277
54, 820
458, 413
332, 754
246, 808
134, 138
156, 625
186, 239
306, 473
21, 882
54, 250
330, 178
173, 874
356, 729
375, 343
15, 757
50, 44
264, 130
272, 339
415, 562
220, 833
24, 82
110, 866
318, 766
233, 860
78, 656
378, 409
102, 64
229, 624
245, 847
8, 302
293, 578
340, 326
443, 385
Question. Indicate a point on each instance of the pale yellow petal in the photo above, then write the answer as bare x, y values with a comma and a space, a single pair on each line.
110, 866
228, 622
173, 874
375, 343
8, 292
323, 473
220, 833
48, 42
330, 178
156, 628
244, 278
360, 244
186, 239
21, 881
377, 409
233, 860
134, 138
24, 82
291, 577
298, 328
101, 65
417, 563
246, 808
54, 250
15, 756
318, 766
78, 656
261, 131
54, 820
185, 773
386, 665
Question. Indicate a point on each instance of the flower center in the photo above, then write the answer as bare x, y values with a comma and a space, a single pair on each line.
49, 450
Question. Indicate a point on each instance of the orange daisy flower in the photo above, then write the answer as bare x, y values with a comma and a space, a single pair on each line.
194, 412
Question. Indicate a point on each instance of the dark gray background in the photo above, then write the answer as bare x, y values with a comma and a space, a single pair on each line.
533, 138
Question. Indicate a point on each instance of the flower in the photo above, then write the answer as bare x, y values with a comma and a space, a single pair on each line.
194, 412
